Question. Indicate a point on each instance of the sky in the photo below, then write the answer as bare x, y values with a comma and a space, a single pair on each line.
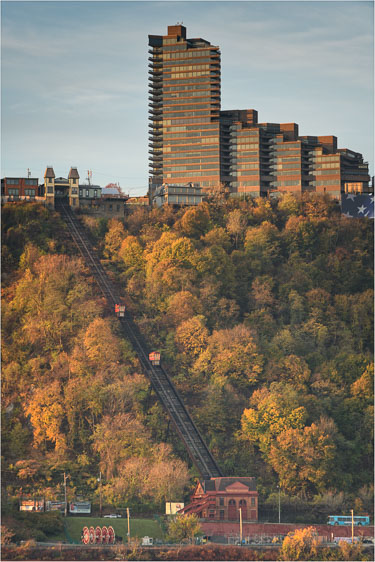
74, 88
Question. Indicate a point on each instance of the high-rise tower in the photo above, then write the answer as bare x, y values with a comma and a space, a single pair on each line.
184, 88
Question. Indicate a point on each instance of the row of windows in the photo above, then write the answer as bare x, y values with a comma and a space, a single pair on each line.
196, 120
16, 181
193, 200
289, 173
285, 166
180, 101
286, 160
327, 159
287, 146
177, 96
241, 160
14, 191
245, 183
198, 107
325, 172
288, 153
327, 182
200, 130
247, 146
206, 125
188, 154
330, 166
190, 175
189, 53
184, 68
245, 166
248, 173
206, 80
187, 63
286, 183
170, 162
188, 87
179, 75
185, 168
13, 181
247, 133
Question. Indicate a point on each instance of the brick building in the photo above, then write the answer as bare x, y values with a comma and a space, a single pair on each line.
220, 499
20, 189
193, 141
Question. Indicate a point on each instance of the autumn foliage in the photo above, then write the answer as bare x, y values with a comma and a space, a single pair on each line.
262, 311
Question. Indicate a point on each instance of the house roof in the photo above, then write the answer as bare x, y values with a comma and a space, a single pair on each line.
73, 174
222, 483
49, 173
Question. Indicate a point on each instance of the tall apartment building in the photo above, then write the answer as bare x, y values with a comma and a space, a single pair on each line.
193, 142
184, 88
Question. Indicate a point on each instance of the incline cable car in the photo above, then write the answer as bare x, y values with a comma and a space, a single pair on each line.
154, 358
120, 310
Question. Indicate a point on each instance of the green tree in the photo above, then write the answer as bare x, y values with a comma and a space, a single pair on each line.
183, 527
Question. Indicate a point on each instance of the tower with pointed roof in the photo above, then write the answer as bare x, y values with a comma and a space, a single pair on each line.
73, 194
49, 186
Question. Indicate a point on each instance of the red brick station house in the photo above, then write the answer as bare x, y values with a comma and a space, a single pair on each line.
220, 499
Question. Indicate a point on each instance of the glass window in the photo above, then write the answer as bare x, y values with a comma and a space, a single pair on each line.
252, 502
95, 192
221, 501
87, 192
13, 191
12, 181
30, 192
50, 189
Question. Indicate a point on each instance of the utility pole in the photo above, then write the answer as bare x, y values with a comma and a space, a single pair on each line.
66, 504
240, 510
352, 512
100, 493
128, 514
278, 487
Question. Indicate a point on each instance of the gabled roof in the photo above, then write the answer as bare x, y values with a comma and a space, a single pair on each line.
222, 483
73, 174
49, 173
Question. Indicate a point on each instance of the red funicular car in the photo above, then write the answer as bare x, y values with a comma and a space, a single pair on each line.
154, 358
120, 310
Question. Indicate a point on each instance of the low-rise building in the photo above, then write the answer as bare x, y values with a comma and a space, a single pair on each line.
185, 194
221, 499
19, 189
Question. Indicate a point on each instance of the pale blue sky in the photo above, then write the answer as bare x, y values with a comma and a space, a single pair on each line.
74, 77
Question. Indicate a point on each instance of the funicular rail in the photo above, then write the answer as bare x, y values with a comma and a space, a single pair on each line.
163, 386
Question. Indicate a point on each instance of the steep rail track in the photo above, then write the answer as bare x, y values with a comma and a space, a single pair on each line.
163, 386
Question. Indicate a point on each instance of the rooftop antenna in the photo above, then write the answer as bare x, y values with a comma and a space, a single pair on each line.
28, 172
89, 176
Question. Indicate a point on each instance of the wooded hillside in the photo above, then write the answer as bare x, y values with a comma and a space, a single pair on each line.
262, 311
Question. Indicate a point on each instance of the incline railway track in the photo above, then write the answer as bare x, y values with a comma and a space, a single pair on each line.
163, 386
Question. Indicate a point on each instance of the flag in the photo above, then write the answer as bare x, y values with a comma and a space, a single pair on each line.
358, 205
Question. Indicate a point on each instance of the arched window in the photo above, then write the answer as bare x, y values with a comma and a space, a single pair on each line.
242, 503
232, 502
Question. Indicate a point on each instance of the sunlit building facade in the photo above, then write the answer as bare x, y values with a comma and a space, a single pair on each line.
184, 102
193, 143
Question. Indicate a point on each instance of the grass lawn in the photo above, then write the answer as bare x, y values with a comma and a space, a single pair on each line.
138, 527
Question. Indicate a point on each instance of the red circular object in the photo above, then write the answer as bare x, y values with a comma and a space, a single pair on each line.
85, 535
105, 535
92, 535
98, 535
111, 535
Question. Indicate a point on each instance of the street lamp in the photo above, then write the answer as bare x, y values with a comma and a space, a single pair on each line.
278, 487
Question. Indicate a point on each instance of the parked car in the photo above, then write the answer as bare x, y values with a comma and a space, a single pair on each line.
113, 515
